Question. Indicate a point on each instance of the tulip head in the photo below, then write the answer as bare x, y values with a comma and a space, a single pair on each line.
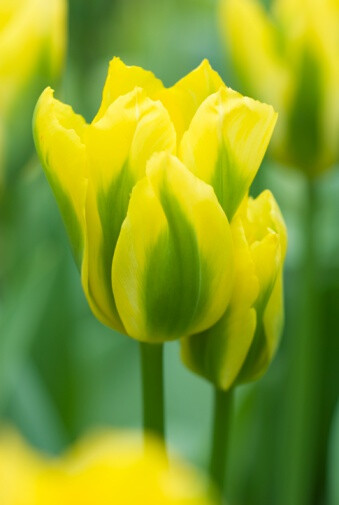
147, 192
290, 59
32, 46
240, 346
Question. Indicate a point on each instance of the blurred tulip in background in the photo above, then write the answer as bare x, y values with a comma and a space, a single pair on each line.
103, 468
289, 57
32, 47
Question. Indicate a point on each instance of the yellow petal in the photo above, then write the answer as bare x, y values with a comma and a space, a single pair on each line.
58, 134
173, 265
183, 99
118, 145
122, 79
219, 352
226, 142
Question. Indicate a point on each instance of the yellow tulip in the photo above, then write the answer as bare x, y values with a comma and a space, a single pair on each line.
289, 57
240, 346
106, 468
32, 44
147, 191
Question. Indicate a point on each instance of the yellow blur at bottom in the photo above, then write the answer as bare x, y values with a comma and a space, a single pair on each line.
103, 469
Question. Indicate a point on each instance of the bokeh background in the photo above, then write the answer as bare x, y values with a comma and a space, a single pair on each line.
63, 373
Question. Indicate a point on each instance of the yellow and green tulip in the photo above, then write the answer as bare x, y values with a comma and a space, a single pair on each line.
148, 192
32, 46
289, 57
240, 346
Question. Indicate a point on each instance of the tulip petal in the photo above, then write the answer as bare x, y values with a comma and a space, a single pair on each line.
267, 335
121, 79
219, 352
118, 145
183, 99
226, 142
173, 265
58, 134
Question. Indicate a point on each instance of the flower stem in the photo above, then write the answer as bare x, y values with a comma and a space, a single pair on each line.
223, 407
153, 388
303, 393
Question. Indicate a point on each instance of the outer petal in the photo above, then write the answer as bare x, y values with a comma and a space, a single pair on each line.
118, 144
183, 99
173, 266
122, 79
58, 134
219, 352
226, 142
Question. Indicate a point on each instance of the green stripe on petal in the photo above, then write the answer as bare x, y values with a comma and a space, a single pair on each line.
58, 134
225, 144
173, 266
118, 145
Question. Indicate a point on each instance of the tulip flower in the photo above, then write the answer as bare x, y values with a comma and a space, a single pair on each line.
149, 192
32, 44
148, 232
98, 469
240, 346
289, 57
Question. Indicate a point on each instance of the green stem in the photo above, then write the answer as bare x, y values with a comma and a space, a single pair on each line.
302, 408
223, 406
153, 388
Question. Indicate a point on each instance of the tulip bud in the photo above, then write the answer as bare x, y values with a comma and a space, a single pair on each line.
148, 221
290, 59
32, 43
240, 346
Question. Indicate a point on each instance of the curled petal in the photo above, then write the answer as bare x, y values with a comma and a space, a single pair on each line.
58, 135
226, 142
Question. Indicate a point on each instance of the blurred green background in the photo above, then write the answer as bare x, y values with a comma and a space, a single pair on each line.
62, 372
